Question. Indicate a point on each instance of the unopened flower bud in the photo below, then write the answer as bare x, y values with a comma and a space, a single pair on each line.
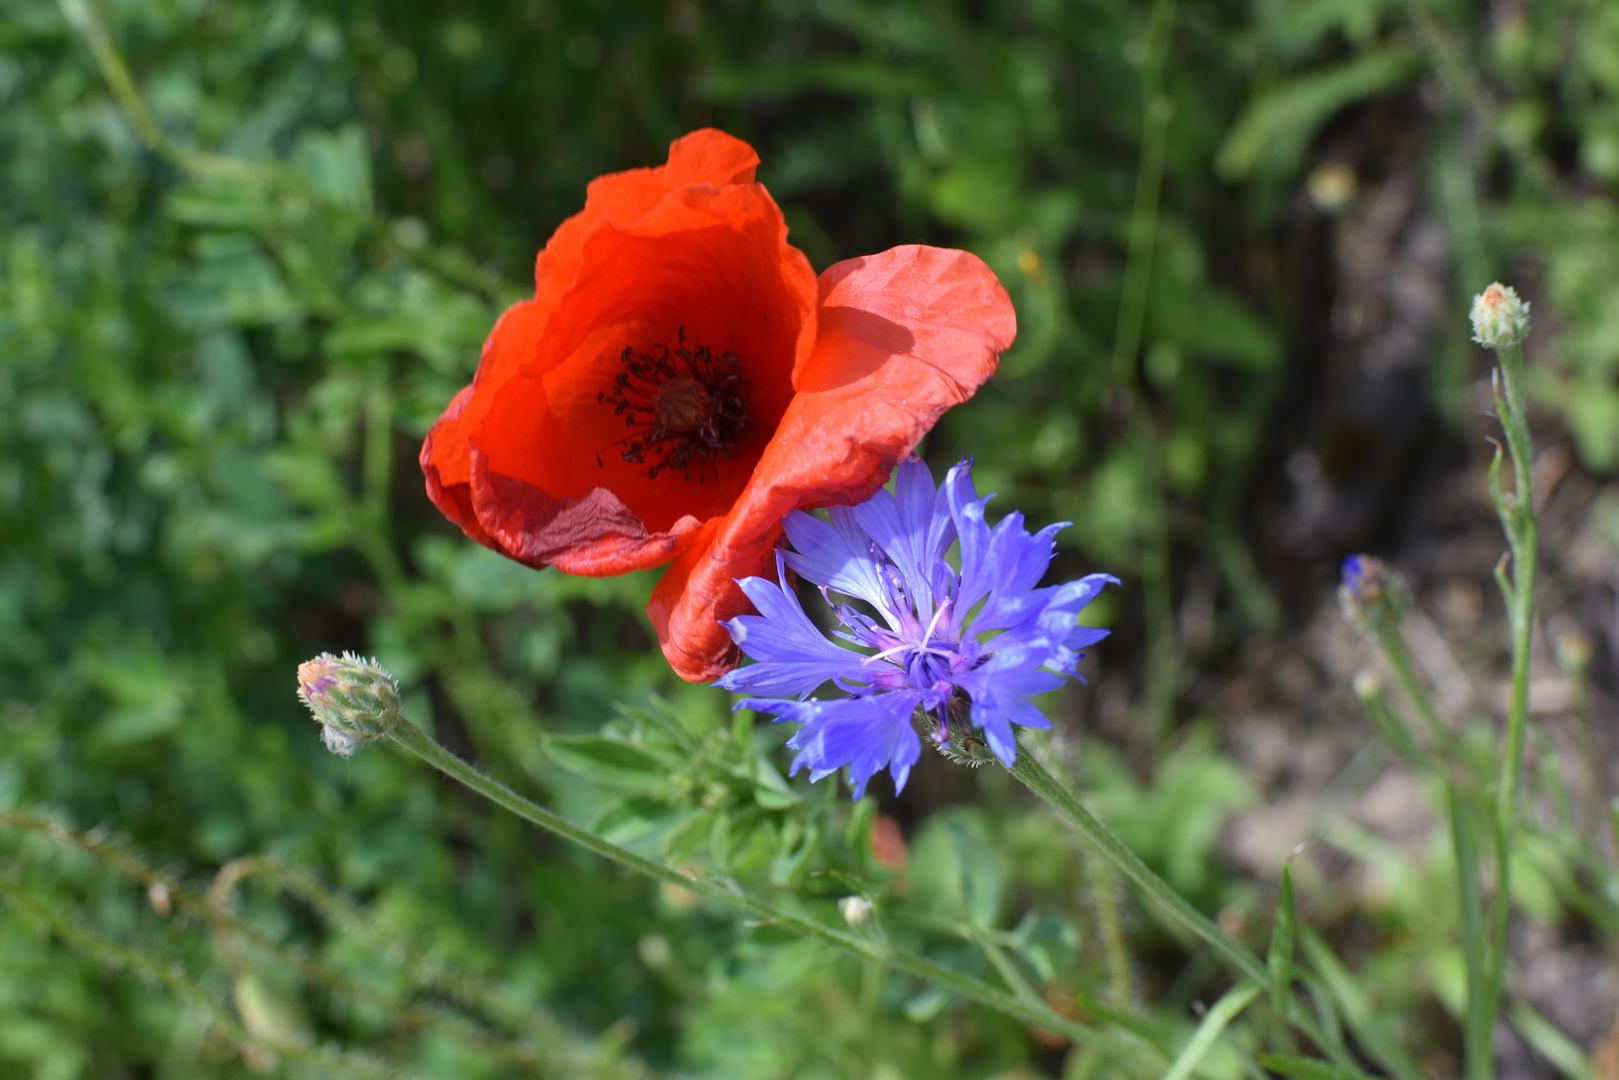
1369, 587
353, 699
1367, 685
854, 909
1499, 317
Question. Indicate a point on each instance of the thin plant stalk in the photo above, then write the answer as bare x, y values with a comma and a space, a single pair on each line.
1141, 240
408, 736
1028, 770
1500, 322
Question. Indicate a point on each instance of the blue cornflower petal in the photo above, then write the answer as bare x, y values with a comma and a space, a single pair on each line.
1000, 689
967, 514
864, 733
1085, 636
837, 555
1014, 564
794, 656
983, 635
913, 528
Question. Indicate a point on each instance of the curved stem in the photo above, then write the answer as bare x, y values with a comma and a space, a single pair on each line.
1033, 775
412, 738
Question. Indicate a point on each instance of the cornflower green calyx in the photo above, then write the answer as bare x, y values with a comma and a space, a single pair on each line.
354, 700
1500, 318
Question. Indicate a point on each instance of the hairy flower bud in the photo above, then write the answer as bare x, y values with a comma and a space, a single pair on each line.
1499, 317
353, 699
1370, 589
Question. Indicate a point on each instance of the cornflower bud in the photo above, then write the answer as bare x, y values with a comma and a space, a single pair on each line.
1499, 317
353, 699
1370, 589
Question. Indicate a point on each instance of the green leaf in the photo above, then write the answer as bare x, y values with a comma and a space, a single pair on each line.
1302, 1067
1346, 991
1272, 135
337, 166
687, 836
606, 761
1564, 1053
770, 787
222, 204
1227, 1009
1479, 1024
1280, 957
954, 868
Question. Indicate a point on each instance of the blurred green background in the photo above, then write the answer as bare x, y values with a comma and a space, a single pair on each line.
229, 314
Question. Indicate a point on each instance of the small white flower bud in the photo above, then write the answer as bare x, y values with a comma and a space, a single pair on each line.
1367, 685
855, 909
353, 699
1499, 317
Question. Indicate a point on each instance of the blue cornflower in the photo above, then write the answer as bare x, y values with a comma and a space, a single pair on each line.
942, 639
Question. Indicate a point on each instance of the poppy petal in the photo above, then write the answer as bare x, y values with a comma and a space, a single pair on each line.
592, 535
527, 460
902, 336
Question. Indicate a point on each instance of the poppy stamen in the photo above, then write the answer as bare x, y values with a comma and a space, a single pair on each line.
683, 404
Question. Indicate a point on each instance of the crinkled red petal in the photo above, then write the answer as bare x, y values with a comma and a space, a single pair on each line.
693, 245
902, 336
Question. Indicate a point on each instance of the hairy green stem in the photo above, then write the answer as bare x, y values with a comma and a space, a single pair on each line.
724, 891
1523, 535
1115, 954
1517, 514
1028, 770
1156, 110
1394, 651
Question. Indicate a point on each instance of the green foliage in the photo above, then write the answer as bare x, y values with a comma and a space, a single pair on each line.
238, 286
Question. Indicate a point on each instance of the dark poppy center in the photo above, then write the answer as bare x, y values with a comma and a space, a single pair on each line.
686, 407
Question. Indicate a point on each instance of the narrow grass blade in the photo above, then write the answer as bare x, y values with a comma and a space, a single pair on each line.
1564, 1054
1279, 960
1479, 1023
1305, 1068
1214, 1022
1357, 1011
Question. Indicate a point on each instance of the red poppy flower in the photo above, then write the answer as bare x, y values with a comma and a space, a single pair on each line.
681, 380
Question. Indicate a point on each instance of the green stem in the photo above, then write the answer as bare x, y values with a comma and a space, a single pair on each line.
1523, 535
1518, 517
1394, 651
412, 738
1115, 954
1033, 775
1156, 110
